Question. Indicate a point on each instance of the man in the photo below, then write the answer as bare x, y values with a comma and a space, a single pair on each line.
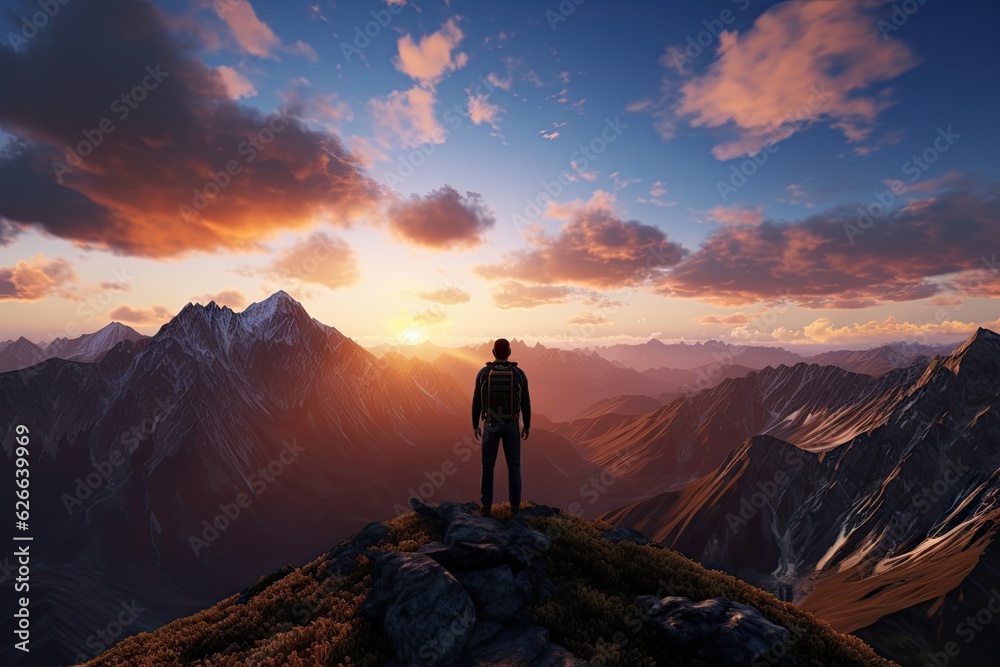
500, 398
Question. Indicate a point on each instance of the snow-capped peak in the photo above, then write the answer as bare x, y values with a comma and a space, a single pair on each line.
279, 303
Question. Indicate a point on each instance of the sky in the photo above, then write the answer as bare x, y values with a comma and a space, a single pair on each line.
575, 173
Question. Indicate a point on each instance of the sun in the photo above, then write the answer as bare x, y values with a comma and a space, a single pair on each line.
411, 336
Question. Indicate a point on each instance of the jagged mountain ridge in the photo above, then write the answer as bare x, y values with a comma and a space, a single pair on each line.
194, 414
816, 407
655, 353
893, 519
22, 353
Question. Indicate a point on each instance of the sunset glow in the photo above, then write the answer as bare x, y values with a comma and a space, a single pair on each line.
804, 174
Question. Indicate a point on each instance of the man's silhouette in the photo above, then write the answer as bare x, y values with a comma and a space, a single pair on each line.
500, 398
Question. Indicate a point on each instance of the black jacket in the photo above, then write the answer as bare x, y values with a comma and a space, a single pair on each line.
477, 397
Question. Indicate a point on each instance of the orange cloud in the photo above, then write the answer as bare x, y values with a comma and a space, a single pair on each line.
319, 259
326, 109
430, 316
737, 215
406, 118
443, 219
431, 58
587, 317
448, 296
481, 111
253, 35
813, 262
236, 84
727, 320
595, 248
822, 330
151, 315
764, 82
35, 278
514, 294
127, 191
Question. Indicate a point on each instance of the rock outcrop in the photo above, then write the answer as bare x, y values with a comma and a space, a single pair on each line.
463, 600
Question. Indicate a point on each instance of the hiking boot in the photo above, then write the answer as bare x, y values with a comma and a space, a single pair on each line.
514, 510
485, 511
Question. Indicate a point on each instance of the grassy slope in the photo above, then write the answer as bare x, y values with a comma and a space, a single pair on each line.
309, 618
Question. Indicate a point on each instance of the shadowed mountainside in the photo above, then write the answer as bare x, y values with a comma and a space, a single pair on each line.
891, 522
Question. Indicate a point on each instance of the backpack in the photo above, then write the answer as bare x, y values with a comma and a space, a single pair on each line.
501, 393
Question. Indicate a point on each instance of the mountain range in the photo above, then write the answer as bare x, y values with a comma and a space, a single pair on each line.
882, 525
171, 470
180, 466
22, 353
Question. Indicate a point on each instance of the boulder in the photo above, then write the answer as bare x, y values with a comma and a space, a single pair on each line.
495, 592
718, 630
341, 558
463, 555
424, 612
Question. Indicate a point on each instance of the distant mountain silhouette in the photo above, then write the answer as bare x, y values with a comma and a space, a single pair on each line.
22, 353
657, 354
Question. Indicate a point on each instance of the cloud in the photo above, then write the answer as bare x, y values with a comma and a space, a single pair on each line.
35, 278
448, 296
126, 194
326, 109
443, 219
514, 294
656, 192
595, 248
253, 35
481, 111
8, 232
366, 153
914, 252
737, 214
823, 330
319, 259
588, 317
763, 82
430, 59
496, 81
430, 316
406, 118
151, 315
232, 298
639, 106
236, 84
727, 320
551, 136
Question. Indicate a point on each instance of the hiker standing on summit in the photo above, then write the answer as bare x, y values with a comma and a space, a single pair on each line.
500, 397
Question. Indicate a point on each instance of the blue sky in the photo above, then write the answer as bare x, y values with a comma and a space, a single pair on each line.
833, 100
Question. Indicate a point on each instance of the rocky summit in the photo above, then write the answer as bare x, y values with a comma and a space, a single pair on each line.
447, 587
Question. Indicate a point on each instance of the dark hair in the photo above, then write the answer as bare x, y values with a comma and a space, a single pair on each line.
501, 348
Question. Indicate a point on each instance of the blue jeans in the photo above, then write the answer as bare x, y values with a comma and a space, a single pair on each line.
493, 434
